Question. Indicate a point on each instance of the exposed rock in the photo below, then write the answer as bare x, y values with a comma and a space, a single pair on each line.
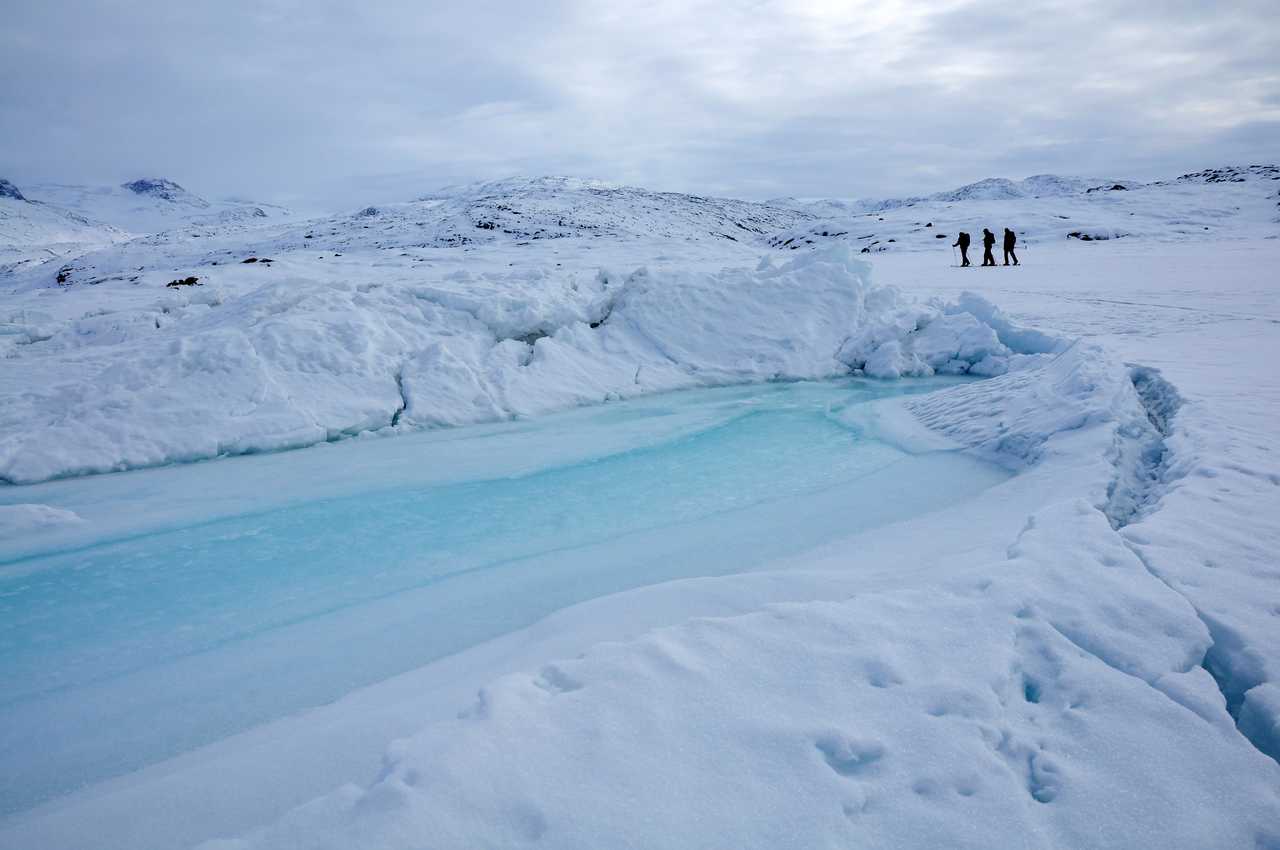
8, 190
157, 187
1232, 174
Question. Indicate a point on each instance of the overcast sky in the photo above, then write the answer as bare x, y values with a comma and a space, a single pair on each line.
377, 101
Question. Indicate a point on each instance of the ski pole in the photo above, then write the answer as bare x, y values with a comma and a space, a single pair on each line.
954, 260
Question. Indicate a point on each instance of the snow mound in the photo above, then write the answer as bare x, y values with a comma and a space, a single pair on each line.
1011, 419
968, 336
205, 372
26, 518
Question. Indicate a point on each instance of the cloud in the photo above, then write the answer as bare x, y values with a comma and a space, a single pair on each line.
319, 98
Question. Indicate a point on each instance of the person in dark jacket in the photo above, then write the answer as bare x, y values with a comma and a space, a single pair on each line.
962, 242
988, 242
1010, 240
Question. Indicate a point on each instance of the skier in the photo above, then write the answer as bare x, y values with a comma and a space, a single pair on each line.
988, 242
962, 242
1010, 240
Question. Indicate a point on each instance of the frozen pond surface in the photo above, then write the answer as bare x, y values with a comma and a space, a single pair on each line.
197, 601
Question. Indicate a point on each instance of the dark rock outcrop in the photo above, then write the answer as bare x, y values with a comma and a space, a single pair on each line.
8, 190
157, 187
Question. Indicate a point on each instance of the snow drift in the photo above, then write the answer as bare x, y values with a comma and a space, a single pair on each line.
208, 372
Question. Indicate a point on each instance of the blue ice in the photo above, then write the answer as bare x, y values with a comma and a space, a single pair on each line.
282, 582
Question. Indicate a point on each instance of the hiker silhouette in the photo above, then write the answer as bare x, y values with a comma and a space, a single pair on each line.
962, 242
1010, 240
988, 242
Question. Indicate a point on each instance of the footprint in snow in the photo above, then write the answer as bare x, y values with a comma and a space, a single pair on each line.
849, 756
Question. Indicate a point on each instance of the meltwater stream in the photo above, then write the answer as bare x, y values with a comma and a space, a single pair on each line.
351, 564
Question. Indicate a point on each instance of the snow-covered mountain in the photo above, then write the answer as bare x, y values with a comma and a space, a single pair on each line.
150, 205
1217, 203
525, 213
525, 210
186, 229
43, 222
32, 232
1230, 174
988, 189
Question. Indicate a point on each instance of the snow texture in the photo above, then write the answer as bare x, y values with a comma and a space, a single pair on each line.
978, 710
208, 371
22, 519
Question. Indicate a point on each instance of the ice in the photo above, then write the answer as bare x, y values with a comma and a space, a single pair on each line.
958, 716
286, 363
1080, 654
979, 699
20, 519
178, 637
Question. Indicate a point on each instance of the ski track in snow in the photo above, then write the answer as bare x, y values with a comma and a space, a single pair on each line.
1088, 655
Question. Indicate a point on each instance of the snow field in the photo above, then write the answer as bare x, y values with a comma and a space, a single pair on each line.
1082, 656
1195, 493
1055, 696
997, 713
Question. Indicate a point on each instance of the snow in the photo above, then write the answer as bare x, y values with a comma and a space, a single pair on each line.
925, 719
1080, 654
32, 233
43, 223
1232, 203
22, 519
227, 367
753, 474
151, 205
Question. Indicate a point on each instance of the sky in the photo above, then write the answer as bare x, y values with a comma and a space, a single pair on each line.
336, 104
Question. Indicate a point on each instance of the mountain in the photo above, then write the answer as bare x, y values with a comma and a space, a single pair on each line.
151, 205
165, 190
1232, 174
10, 191
185, 231
1213, 203
528, 209
32, 232
988, 189
43, 222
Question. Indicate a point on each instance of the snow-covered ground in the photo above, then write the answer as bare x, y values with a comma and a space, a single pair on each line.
1084, 654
